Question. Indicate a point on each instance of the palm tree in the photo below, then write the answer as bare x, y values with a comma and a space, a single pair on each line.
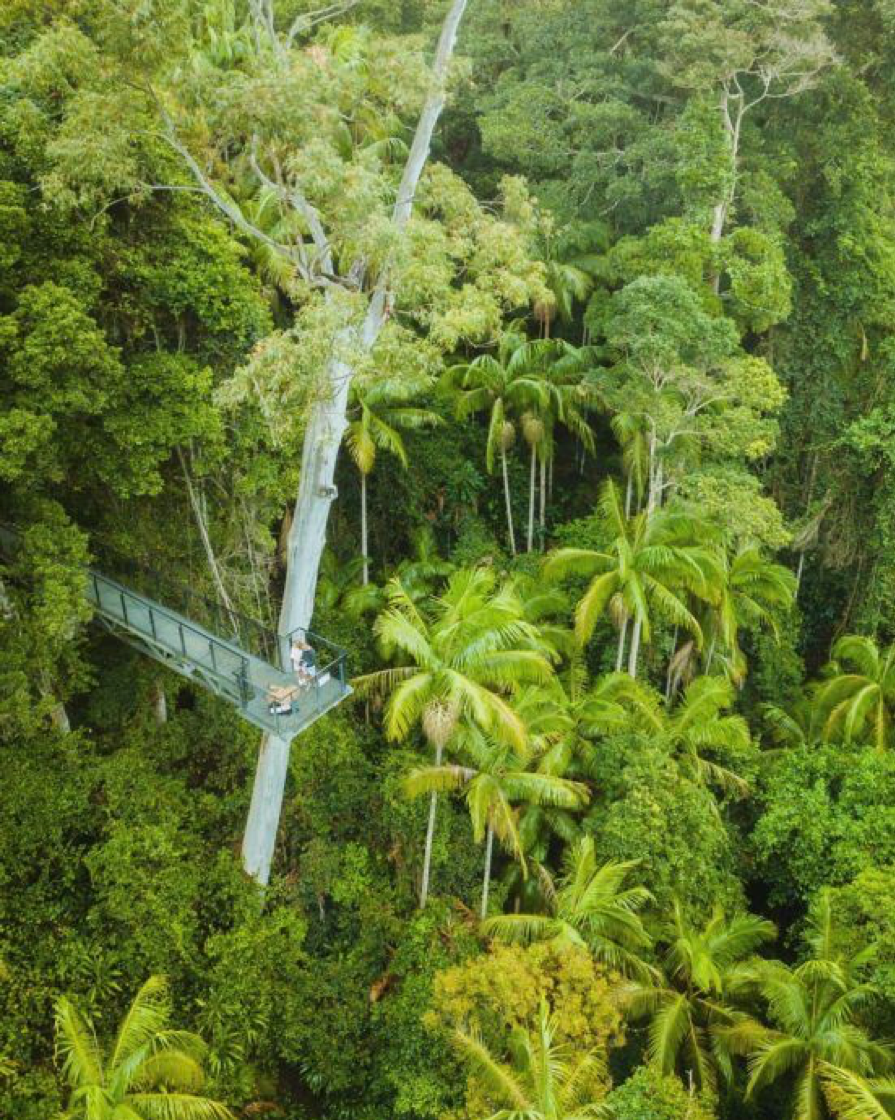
692, 1000
546, 1080
815, 1008
151, 1072
632, 432
853, 1097
571, 258
507, 385
696, 724
378, 412
755, 593
468, 650
652, 561
572, 397
497, 778
421, 573
591, 907
859, 703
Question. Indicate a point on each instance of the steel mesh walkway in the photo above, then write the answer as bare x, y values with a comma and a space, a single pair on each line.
241, 669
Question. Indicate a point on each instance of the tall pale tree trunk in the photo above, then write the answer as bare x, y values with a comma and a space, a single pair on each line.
363, 527
486, 881
669, 676
543, 500
430, 834
159, 702
59, 718
622, 639
799, 570
634, 651
732, 110
507, 500
531, 498
316, 491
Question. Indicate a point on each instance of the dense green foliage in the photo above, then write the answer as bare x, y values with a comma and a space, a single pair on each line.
608, 827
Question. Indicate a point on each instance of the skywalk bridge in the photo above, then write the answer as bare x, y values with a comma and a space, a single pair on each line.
235, 657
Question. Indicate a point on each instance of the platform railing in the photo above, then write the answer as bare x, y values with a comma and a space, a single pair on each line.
221, 643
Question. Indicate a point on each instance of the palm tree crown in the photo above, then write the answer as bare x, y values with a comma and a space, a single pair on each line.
151, 1072
692, 1001
495, 779
652, 562
547, 1080
858, 704
591, 907
380, 410
468, 649
507, 385
815, 1010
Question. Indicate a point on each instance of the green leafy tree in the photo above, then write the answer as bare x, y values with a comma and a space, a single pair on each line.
591, 907
496, 778
468, 649
150, 1072
649, 1095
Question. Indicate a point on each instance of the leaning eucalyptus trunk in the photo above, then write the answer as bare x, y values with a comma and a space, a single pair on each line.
159, 702
59, 718
669, 676
486, 881
316, 491
507, 499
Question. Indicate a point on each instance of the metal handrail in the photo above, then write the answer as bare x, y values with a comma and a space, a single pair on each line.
250, 633
172, 616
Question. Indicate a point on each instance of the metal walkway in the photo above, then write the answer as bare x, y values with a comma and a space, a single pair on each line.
241, 669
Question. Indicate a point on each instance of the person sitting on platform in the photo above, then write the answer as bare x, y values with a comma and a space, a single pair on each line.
280, 699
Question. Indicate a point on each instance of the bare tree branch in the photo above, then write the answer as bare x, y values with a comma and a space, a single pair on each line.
306, 21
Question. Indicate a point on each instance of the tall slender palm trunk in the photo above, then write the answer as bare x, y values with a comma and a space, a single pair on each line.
486, 881
622, 639
543, 510
669, 676
365, 552
430, 835
507, 499
634, 651
531, 498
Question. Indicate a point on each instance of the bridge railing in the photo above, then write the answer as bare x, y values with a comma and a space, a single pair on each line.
250, 634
